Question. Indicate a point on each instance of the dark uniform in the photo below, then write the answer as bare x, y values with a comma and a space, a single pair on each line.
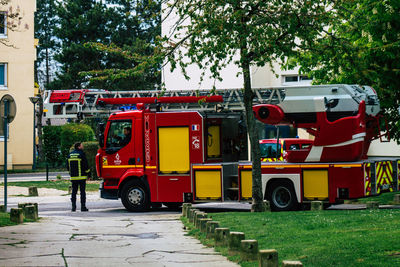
79, 171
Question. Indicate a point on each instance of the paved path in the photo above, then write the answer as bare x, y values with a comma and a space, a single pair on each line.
107, 235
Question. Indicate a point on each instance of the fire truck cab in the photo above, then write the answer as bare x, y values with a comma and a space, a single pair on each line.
148, 157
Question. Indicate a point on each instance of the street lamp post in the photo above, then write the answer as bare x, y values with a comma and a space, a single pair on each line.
34, 100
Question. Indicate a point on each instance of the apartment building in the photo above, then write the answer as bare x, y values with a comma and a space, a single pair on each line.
17, 57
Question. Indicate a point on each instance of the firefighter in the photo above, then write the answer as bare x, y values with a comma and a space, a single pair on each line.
127, 137
79, 171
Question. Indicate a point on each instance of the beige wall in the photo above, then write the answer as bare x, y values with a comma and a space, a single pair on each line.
20, 84
266, 77
384, 149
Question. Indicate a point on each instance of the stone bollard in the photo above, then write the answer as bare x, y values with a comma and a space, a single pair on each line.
185, 206
211, 225
198, 216
220, 236
16, 215
33, 192
30, 213
2, 208
203, 224
23, 205
396, 199
372, 205
234, 240
268, 258
192, 213
267, 206
188, 209
317, 205
292, 263
70, 189
194, 216
249, 249
36, 208
183, 210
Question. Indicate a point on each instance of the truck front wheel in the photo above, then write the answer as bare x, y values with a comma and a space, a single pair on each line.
135, 197
281, 196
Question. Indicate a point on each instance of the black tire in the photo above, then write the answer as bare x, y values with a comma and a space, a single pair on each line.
135, 197
282, 196
173, 205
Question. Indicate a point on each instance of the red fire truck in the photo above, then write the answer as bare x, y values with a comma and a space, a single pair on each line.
155, 155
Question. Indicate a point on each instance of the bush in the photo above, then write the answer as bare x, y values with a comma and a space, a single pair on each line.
72, 133
90, 149
51, 145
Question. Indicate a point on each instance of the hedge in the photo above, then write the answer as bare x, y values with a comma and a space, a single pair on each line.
57, 141
51, 145
72, 133
90, 149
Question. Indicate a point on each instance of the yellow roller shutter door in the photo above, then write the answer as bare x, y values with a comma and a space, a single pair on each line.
173, 145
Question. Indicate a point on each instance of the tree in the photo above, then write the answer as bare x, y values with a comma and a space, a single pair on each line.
213, 34
132, 44
79, 21
91, 35
44, 30
362, 47
45, 20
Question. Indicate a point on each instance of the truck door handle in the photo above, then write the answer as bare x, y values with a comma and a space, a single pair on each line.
131, 161
173, 179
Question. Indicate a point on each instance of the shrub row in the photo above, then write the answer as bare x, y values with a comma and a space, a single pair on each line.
57, 141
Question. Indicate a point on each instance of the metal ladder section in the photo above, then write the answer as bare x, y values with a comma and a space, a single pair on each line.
233, 101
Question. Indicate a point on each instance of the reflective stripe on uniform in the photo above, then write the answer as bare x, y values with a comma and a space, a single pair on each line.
78, 178
74, 157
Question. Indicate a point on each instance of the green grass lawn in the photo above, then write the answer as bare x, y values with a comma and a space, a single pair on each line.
324, 238
5, 219
56, 184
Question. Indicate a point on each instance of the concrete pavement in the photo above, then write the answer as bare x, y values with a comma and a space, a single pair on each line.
107, 235
145, 240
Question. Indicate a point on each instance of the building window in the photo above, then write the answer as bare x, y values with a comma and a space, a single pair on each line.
291, 79
296, 80
305, 78
3, 75
3, 25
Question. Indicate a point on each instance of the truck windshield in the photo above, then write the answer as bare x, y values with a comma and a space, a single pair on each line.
119, 134
269, 150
